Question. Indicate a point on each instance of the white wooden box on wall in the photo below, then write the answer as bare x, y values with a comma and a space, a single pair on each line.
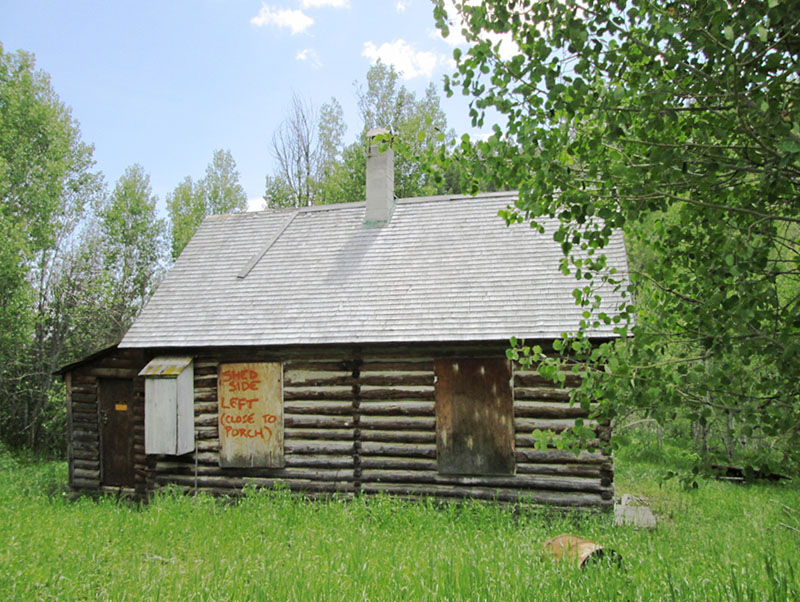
169, 405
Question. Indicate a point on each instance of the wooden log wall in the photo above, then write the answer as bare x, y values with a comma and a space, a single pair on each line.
367, 425
140, 459
84, 434
319, 440
583, 480
398, 450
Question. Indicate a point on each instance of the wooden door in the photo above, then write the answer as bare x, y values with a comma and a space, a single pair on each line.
116, 431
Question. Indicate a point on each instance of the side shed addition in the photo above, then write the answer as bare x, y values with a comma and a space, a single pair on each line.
105, 420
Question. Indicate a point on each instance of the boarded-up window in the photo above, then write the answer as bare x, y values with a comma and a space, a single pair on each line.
474, 416
250, 414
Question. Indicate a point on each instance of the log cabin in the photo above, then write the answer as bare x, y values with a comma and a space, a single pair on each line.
345, 349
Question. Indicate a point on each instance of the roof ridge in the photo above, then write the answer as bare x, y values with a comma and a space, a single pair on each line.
458, 197
436, 198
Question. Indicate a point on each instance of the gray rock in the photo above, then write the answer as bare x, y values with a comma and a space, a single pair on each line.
627, 514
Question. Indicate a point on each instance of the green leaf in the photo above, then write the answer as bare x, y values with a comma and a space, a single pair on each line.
728, 32
789, 145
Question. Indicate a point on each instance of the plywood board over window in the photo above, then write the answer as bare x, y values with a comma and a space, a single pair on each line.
474, 416
250, 414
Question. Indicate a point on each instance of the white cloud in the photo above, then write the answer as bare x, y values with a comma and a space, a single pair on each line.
296, 20
401, 5
310, 55
256, 204
331, 3
408, 61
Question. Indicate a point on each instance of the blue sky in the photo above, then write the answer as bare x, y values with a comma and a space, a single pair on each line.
164, 83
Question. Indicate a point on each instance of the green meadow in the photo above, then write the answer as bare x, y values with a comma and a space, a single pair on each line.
721, 541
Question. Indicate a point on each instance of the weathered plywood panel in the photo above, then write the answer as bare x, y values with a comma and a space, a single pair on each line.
169, 415
161, 416
185, 386
251, 414
474, 416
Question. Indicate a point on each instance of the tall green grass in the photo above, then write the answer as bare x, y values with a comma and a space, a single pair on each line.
721, 541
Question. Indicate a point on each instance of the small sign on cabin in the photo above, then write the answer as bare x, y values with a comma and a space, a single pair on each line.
250, 414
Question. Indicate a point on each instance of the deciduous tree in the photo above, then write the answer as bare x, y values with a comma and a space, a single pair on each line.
307, 147
132, 246
678, 122
186, 209
218, 192
315, 167
418, 125
46, 183
221, 188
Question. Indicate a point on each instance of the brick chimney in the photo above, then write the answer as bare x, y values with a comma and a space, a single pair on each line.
380, 180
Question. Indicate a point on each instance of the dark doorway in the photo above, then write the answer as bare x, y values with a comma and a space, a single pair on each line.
116, 431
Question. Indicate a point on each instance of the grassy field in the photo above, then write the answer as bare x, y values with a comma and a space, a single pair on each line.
721, 541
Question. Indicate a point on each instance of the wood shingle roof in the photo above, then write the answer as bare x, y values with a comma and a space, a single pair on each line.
443, 269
